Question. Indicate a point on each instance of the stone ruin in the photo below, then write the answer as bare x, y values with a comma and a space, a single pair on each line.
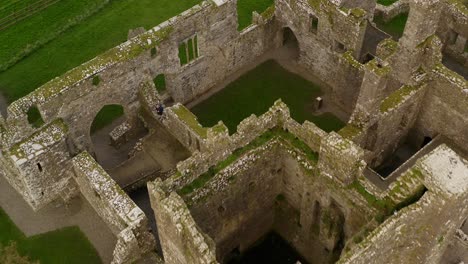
321, 192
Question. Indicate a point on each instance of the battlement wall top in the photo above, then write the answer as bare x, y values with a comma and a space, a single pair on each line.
38, 142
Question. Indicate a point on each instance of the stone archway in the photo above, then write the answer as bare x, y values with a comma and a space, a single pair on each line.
290, 43
108, 118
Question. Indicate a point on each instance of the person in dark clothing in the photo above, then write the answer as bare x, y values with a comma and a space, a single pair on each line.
160, 109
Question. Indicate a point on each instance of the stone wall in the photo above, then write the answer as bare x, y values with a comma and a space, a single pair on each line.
180, 237
319, 51
124, 218
39, 166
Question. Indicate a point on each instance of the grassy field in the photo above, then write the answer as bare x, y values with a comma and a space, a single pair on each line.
18, 41
96, 34
394, 27
256, 91
246, 7
68, 245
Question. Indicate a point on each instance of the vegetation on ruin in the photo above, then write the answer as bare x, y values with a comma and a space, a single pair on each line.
66, 245
256, 91
89, 38
106, 116
190, 120
160, 83
386, 2
300, 145
394, 27
396, 98
246, 7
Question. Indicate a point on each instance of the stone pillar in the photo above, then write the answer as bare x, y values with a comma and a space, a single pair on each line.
422, 23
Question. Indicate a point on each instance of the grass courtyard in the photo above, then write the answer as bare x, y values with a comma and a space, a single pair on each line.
256, 91
68, 245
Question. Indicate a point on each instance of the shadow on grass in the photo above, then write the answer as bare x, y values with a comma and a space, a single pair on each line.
67, 245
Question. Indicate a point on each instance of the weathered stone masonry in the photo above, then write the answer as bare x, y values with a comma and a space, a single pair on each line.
273, 173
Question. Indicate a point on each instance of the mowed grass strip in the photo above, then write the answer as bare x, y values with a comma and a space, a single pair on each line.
67, 245
256, 91
246, 7
31, 33
98, 33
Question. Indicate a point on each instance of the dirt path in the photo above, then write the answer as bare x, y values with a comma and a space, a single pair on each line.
78, 213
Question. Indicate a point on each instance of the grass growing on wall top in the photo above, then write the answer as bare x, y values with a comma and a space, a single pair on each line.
96, 34
256, 91
67, 245
394, 27
246, 7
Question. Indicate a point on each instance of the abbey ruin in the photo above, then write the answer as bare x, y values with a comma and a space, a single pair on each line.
215, 194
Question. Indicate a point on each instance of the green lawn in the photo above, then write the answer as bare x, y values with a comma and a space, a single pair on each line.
246, 7
256, 91
386, 2
394, 27
68, 245
31, 33
98, 33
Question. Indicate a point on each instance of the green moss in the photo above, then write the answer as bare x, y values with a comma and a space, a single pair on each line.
348, 56
190, 120
315, 4
358, 13
269, 12
396, 98
115, 55
34, 117
160, 83
200, 181
350, 131
384, 205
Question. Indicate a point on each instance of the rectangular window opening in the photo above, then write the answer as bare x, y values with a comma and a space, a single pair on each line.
313, 24
188, 50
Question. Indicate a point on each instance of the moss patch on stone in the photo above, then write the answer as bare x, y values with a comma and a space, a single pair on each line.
396, 98
190, 120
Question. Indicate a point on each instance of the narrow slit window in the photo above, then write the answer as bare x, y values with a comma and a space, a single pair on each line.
39, 166
313, 24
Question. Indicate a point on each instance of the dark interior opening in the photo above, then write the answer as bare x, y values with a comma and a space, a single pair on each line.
426, 141
271, 249
39, 166
290, 41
